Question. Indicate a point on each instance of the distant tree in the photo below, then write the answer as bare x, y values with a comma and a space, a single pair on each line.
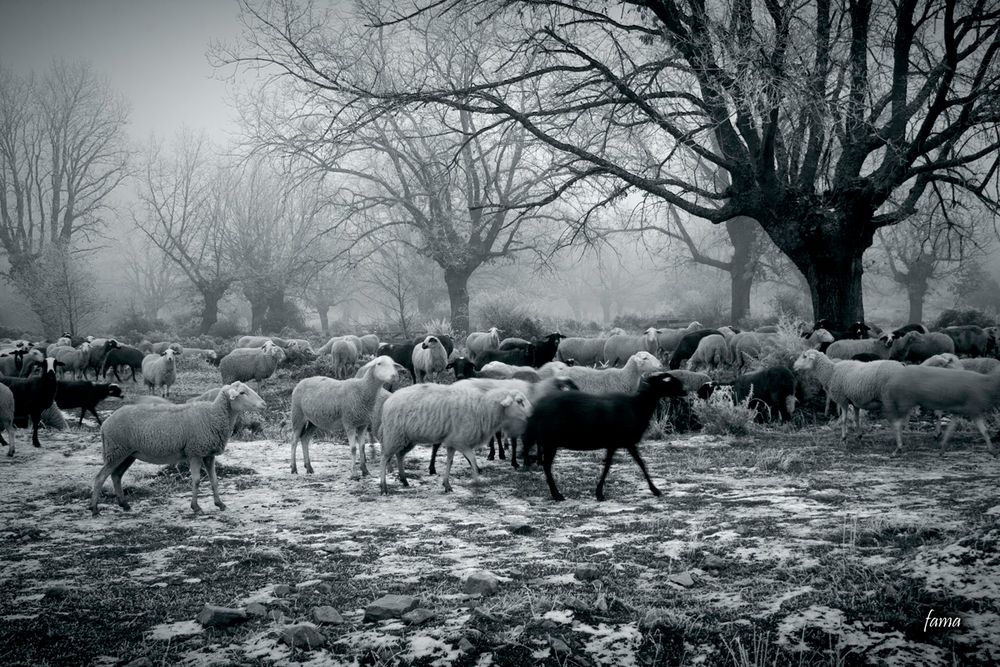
62, 154
154, 279
67, 291
976, 288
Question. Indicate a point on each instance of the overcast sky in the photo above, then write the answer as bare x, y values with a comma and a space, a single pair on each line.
153, 51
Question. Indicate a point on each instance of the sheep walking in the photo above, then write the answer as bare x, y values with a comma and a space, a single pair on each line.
159, 370
167, 434
245, 364
612, 379
328, 404
478, 342
429, 358
33, 396
460, 418
958, 392
667, 340
123, 355
86, 395
74, 360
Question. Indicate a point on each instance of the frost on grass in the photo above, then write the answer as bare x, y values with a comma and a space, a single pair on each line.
969, 568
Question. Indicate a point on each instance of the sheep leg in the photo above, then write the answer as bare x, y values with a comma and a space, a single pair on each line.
9, 445
608, 458
432, 469
36, 420
447, 469
897, 425
116, 479
382, 486
981, 425
305, 439
358, 438
857, 423
634, 451
83, 411
194, 464
503, 455
96, 416
947, 435
214, 481
548, 456
938, 416
102, 475
399, 464
470, 456
492, 453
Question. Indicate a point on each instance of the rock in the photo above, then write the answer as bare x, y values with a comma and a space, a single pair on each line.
713, 562
418, 616
140, 662
481, 582
465, 646
56, 592
256, 609
390, 606
306, 585
682, 579
303, 635
218, 617
587, 572
281, 590
520, 525
559, 646
660, 619
327, 616
325, 588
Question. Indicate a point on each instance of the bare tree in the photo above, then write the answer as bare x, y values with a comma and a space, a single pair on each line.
817, 111
152, 276
185, 203
62, 153
67, 291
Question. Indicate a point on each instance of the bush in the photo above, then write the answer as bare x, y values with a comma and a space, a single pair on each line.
721, 414
133, 326
962, 316
787, 346
225, 328
513, 319
440, 325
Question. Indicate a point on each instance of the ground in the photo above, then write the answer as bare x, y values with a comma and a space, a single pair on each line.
780, 547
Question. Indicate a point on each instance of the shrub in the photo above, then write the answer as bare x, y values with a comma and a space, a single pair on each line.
962, 316
721, 414
513, 319
225, 328
133, 326
787, 346
440, 325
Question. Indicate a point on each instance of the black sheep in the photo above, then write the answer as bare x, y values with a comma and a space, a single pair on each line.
518, 357
774, 387
687, 345
125, 355
33, 396
402, 354
545, 349
865, 357
585, 422
463, 368
85, 395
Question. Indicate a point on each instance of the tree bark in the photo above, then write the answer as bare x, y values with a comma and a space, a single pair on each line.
916, 291
457, 281
276, 317
742, 267
210, 311
324, 317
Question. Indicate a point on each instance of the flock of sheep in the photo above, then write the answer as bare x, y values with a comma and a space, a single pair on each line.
552, 393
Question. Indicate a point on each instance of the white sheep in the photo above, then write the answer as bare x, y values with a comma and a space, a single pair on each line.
169, 434
245, 364
160, 348
159, 370
982, 365
478, 342
619, 348
609, 380
958, 392
460, 418
691, 380
328, 404
344, 355
429, 358
7, 418
75, 360
712, 352
554, 369
369, 344
945, 360
500, 370
847, 348
584, 351
668, 339
327, 348
253, 341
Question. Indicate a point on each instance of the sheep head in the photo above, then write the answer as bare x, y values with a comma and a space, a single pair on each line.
384, 369
645, 362
242, 397
807, 360
665, 385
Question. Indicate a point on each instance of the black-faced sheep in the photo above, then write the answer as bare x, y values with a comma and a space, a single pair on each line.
33, 396
124, 355
86, 395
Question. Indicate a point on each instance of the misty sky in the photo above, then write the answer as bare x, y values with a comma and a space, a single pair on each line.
153, 51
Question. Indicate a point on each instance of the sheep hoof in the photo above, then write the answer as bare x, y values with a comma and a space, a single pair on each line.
365, 473
656, 491
447, 488
558, 497
221, 505
10, 452
309, 470
195, 508
295, 471
125, 506
94, 511
432, 471
600, 496
36, 444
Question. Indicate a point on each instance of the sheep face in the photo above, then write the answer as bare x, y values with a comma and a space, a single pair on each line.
114, 391
516, 406
384, 370
858, 330
820, 336
51, 365
84, 347
243, 398
430, 341
168, 353
806, 361
665, 385
646, 362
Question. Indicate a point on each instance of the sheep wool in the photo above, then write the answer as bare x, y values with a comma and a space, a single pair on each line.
624, 379
370, 343
159, 370
344, 355
847, 348
982, 365
328, 404
584, 351
7, 418
668, 339
429, 358
166, 434
245, 364
712, 352
478, 342
460, 418
619, 348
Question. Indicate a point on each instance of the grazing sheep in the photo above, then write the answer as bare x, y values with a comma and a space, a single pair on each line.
515, 357
746, 347
555, 368
712, 352
145, 346
944, 361
369, 344
620, 349
328, 404
74, 360
98, 348
916, 347
19, 362
774, 387
85, 395
968, 339
254, 341
209, 355
982, 365
610, 380
169, 434
33, 396
500, 370
847, 348
958, 392
584, 351
460, 418
350, 338
667, 340
159, 370
514, 344
344, 355
688, 344
245, 364
586, 422
7, 418
478, 342
429, 358
123, 355
299, 349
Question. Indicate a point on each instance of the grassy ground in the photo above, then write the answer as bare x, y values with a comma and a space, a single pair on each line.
781, 547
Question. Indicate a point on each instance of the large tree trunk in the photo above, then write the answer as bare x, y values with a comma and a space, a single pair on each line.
743, 234
457, 281
210, 312
916, 291
258, 308
324, 317
277, 311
